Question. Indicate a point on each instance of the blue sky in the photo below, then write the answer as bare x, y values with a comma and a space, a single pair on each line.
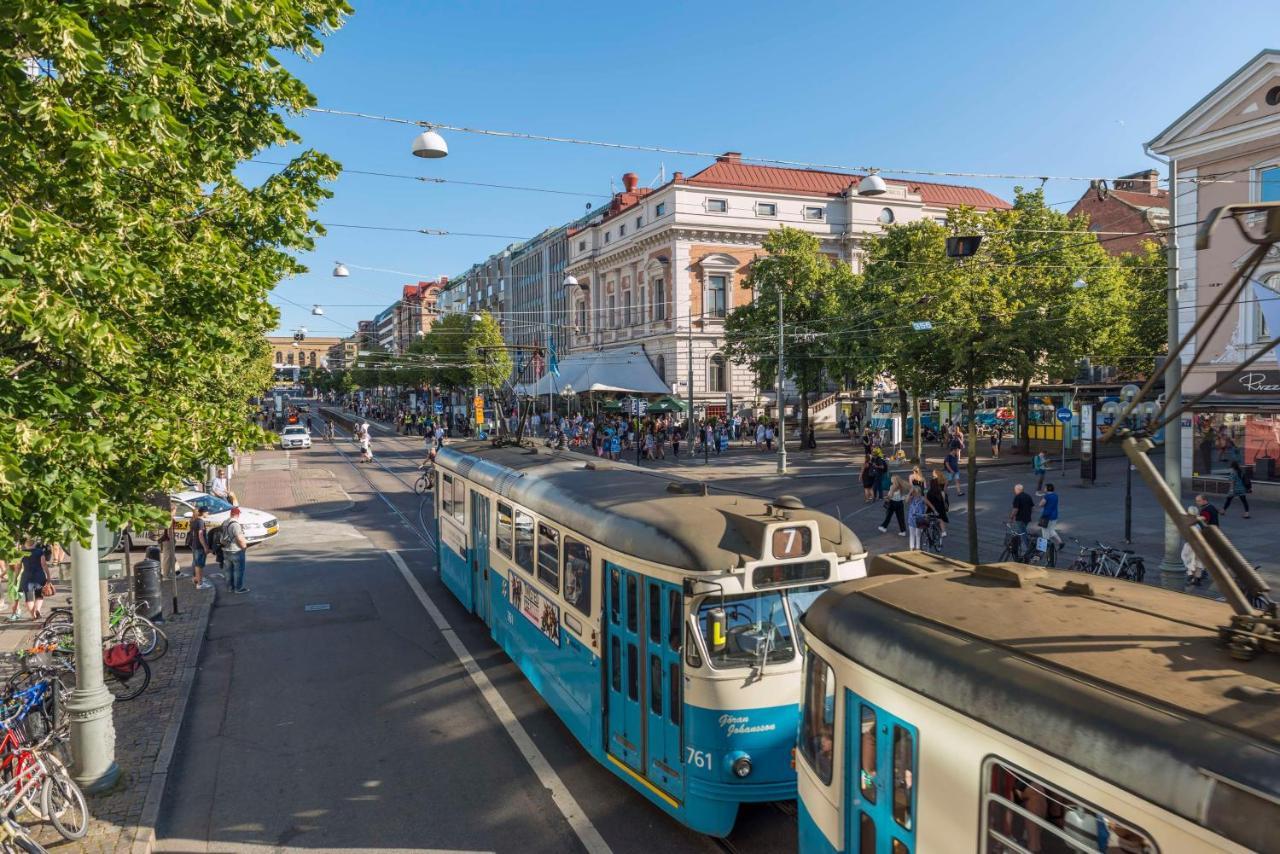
1010, 87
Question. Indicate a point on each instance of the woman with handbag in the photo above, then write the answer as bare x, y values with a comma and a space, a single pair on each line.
35, 578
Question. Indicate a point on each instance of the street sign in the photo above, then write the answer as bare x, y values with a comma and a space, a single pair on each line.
1064, 415
478, 404
439, 407
638, 406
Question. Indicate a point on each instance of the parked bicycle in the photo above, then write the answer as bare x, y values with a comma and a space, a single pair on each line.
125, 623
1015, 544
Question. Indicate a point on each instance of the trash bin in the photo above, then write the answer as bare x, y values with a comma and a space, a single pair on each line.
146, 588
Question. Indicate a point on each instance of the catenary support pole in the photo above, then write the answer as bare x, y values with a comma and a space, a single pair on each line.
782, 409
689, 397
1171, 570
93, 734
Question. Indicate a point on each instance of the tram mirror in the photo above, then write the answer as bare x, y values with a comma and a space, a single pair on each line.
717, 626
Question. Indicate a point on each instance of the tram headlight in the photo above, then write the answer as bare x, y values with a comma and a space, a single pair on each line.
740, 764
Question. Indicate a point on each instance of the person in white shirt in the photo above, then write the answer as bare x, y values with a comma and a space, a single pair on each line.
222, 489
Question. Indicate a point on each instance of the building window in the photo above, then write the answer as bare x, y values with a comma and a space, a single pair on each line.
815, 212
1257, 311
622, 230
715, 302
613, 315
582, 316
659, 299
660, 365
715, 374
1270, 184
291, 358
626, 309
608, 235
886, 216
641, 305
279, 358
582, 246
639, 222
661, 209
766, 209
1019, 810
717, 205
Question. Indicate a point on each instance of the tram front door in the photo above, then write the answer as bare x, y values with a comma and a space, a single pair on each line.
645, 629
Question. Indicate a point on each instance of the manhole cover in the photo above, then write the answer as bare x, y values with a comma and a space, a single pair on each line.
316, 606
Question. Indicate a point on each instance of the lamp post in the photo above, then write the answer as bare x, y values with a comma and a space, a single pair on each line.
93, 733
782, 407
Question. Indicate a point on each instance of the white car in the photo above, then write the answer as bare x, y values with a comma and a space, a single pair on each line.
295, 436
258, 525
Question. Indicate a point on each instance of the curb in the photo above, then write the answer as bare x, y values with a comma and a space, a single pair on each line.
144, 836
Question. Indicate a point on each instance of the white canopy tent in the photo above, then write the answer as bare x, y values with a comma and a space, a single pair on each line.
601, 371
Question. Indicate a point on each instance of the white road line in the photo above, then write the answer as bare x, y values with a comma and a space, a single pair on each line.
564, 801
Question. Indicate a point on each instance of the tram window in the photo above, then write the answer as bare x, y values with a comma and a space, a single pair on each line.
866, 834
673, 692
900, 847
633, 672
446, 495
903, 776
867, 755
504, 529
549, 556
460, 501
615, 652
818, 723
655, 613
615, 581
675, 618
577, 575
524, 541
691, 656
655, 685
1023, 812
632, 604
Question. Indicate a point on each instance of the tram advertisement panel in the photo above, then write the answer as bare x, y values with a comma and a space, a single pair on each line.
537, 609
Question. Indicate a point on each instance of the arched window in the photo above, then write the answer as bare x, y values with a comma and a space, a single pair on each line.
313, 358
290, 358
279, 358
716, 373
660, 365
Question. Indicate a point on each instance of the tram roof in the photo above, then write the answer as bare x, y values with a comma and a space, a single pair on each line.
1125, 680
631, 509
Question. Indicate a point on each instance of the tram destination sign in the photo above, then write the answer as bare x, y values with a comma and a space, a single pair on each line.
1251, 382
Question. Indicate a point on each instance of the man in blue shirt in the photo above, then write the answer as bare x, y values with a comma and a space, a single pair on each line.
1049, 514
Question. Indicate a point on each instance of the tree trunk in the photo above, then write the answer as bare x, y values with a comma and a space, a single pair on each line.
1024, 416
804, 415
904, 402
917, 442
971, 471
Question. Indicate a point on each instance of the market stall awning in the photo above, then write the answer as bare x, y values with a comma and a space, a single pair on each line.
601, 371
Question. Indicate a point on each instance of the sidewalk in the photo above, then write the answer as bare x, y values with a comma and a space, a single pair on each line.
123, 819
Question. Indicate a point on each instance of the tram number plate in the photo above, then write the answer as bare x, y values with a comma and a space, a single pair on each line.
697, 758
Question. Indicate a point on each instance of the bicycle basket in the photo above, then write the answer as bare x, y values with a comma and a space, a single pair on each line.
122, 659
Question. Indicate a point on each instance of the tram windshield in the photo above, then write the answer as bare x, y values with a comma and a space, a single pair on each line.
758, 627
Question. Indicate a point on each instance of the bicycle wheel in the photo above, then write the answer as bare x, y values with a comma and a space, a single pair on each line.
128, 687
20, 840
420, 485
62, 801
57, 615
140, 631
1139, 570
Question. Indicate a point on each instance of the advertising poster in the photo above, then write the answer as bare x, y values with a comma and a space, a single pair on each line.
536, 608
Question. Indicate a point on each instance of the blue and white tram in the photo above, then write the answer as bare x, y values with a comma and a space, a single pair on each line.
659, 620
1010, 709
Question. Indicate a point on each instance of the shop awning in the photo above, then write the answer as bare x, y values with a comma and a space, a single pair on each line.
601, 371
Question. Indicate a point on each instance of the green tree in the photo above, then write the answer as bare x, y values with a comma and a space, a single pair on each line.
809, 283
1145, 294
135, 265
488, 360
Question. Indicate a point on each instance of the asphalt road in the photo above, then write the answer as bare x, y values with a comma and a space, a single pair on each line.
355, 727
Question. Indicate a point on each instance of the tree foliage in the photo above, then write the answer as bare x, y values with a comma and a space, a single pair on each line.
135, 265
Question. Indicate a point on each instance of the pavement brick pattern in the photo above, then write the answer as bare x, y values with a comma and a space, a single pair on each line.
140, 726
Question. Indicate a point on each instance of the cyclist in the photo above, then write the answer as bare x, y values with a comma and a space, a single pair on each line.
1020, 515
328, 429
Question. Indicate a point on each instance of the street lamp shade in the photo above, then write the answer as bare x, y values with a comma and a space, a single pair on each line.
1079, 284
340, 270
872, 185
430, 145
570, 282
317, 311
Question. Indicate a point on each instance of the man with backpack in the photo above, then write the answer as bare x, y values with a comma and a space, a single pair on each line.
234, 546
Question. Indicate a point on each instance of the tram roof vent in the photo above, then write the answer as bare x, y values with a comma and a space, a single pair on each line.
787, 502
595, 466
677, 487
1009, 574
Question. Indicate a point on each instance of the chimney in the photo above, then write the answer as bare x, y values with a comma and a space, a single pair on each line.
730, 157
1153, 182
677, 177
629, 182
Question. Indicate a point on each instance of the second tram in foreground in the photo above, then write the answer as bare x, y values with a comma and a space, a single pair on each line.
658, 619
1009, 709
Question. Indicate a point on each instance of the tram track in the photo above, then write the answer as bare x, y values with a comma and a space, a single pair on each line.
420, 530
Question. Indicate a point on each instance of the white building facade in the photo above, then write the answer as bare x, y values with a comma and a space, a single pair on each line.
660, 269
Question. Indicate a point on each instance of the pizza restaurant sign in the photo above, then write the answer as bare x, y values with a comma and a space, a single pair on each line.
1251, 383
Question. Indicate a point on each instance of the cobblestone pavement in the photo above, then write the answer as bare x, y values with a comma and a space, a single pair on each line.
144, 740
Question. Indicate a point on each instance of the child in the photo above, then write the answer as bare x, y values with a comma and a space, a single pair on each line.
916, 511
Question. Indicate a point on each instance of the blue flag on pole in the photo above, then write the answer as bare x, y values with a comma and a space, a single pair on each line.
553, 363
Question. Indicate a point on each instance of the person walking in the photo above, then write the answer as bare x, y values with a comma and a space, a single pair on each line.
197, 538
997, 437
894, 506
1049, 514
917, 479
869, 476
1038, 466
952, 467
1190, 560
35, 575
916, 510
936, 499
234, 546
1020, 515
1240, 484
1208, 513
881, 466
366, 450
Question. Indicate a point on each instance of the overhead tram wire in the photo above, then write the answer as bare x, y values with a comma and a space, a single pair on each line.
426, 179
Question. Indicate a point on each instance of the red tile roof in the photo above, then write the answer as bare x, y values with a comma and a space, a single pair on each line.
733, 174
1143, 200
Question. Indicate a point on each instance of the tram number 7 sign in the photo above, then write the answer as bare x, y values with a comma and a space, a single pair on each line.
792, 542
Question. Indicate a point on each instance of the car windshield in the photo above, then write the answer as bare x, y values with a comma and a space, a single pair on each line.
211, 503
756, 622
295, 431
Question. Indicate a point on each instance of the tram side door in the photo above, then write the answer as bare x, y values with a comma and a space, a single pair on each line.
664, 610
626, 672
881, 765
480, 556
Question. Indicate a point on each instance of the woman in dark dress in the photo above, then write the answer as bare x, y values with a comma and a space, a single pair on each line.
35, 565
869, 478
936, 498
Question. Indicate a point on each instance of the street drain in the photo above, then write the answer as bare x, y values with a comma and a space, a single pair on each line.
316, 606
